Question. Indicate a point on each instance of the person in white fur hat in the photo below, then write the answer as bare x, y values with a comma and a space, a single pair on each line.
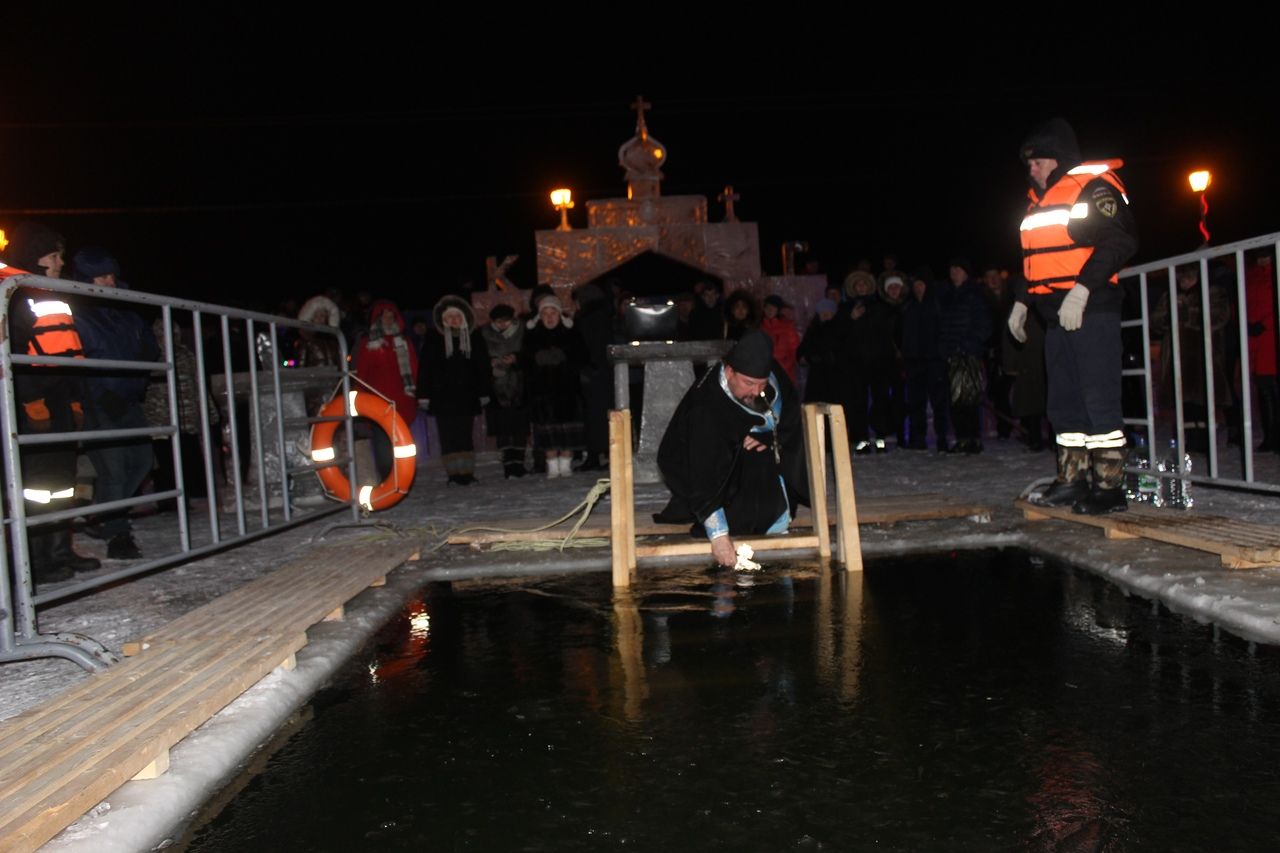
554, 355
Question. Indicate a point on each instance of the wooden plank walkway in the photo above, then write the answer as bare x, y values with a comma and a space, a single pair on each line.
888, 509
1240, 544
61, 759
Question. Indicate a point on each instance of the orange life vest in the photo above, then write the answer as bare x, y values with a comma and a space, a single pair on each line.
1051, 260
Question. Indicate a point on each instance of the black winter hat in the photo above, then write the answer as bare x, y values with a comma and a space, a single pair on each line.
1053, 140
501, 311
89, 263
752, 355
30, 242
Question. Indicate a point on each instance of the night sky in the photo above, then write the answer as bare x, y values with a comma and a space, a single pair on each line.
245, 158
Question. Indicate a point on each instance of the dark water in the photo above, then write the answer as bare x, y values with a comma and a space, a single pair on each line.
982, 701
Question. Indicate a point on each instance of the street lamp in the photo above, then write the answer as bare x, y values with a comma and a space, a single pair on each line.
1199, 181
563, 201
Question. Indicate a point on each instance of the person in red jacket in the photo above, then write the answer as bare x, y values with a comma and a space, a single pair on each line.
783, 333
385, 359
1260, 309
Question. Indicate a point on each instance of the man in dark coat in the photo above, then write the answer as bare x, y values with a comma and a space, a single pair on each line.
115, 330
733, 455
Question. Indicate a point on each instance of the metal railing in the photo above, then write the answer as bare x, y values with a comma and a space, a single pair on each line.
19, 635
1154, 429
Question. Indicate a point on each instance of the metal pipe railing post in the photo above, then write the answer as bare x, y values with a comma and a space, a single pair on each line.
215, 529
236, 479
1246, 414
8, 425
1179, 428
255, 410
175, 420
1146, 364
349, 427
275, 387
1210, 391
23, 620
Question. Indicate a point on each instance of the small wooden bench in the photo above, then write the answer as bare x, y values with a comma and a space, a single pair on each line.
1240, 544
61, 759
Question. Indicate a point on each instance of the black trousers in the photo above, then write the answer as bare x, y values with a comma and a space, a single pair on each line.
1083, 369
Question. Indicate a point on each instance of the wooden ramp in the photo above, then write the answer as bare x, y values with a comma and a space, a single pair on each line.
1240, 544
887, 509
60, 760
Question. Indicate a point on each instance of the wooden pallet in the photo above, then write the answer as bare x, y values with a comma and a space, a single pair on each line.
1240, 544
888, 509
61, 759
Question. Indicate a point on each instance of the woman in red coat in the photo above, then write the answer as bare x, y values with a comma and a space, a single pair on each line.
384, 358
783, 333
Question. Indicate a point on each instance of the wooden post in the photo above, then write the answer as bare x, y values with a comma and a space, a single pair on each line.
815, 446
849, 547
621, 509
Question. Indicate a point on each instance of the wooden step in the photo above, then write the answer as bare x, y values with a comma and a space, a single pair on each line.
62, 758
1239, 544
883, 510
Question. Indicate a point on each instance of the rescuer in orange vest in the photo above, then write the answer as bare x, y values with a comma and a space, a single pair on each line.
48, 399
1077, 234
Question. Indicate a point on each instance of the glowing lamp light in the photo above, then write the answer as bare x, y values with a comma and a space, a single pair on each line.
4, 241
657, 153
563, 201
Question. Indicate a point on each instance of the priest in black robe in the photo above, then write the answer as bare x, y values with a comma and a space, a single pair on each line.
733, 455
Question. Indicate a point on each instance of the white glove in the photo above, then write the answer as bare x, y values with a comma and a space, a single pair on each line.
1071, 314
1018, 322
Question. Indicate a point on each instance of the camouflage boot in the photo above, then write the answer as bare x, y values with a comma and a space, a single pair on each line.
1107, 494
1072, 483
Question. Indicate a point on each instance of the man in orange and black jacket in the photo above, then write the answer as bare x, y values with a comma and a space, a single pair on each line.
48, 400
1077, 234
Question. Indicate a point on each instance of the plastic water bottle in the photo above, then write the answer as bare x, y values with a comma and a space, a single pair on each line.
1140, 487
1177, 493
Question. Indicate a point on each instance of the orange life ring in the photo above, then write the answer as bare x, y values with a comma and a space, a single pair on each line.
383, 413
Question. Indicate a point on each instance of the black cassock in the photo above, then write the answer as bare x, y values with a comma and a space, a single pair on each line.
706, 467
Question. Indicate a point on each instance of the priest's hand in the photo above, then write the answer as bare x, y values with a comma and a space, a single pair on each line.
750, 443
725, 552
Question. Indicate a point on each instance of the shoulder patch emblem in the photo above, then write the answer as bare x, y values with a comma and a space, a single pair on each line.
1098, 192
1106, 206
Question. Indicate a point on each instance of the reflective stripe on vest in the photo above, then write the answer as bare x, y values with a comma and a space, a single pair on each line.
54, 330
1051, 260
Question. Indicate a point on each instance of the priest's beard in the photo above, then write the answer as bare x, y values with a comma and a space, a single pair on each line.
755, 402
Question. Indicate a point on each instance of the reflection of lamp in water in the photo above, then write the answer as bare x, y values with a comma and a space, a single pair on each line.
1200, 181
563, 201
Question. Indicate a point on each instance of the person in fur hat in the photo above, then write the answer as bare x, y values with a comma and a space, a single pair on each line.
507, 416
455, 382
319, 350
554, 355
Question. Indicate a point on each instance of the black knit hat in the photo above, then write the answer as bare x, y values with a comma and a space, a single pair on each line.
30, 242
752, 355
1053, 140
89, 263
501, 311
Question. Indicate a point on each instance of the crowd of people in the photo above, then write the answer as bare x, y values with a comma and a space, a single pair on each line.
905, 353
